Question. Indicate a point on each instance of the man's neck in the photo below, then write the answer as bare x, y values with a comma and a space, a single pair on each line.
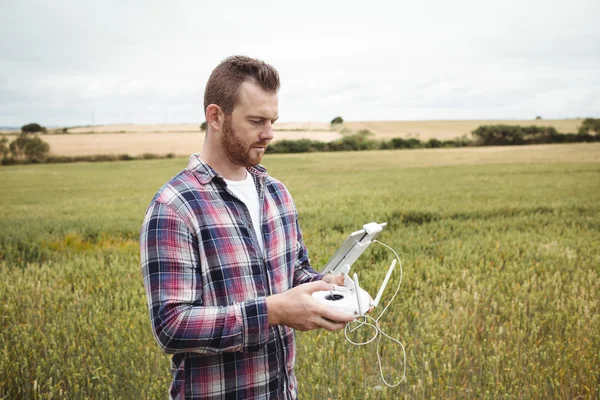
221, 164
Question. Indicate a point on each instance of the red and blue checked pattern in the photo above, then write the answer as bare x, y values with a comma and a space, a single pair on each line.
207, 281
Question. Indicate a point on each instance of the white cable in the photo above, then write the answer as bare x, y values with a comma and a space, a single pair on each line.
378, 331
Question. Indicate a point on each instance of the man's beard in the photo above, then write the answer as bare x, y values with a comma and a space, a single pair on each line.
235, 149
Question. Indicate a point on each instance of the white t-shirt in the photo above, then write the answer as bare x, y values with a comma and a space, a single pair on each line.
246, 192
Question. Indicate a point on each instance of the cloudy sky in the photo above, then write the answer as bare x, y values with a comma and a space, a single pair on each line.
65, 63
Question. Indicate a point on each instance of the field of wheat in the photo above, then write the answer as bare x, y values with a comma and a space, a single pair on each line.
183, 139
499, 249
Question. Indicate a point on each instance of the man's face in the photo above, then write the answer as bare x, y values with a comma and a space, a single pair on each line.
249, 129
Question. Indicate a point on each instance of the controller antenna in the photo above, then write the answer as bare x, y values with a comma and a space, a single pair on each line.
384, 284
357, 289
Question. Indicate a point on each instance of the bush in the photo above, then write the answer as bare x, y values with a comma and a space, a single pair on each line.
32, 128
502, 135
29, 148
358, 141
92, 158
400, 143
337, 120
4, 149
462, 141
498, 135
576, 138
297, 146
203, 126
590, 124
433, 143
539, 134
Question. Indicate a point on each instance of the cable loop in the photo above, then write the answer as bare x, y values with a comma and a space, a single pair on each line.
374, 324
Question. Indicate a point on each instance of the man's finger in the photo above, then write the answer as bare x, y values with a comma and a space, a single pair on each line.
317, 286
333, 315
331, 325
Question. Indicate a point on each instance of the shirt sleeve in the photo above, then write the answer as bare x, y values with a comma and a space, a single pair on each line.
172, 279
303, 272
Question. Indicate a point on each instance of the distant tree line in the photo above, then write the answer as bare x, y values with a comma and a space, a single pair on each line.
507, 135
485, 135
30, 148
361, 141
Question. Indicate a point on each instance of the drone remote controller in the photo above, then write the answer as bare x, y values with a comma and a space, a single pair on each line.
351, 298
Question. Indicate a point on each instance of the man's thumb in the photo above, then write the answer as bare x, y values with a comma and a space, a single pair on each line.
318, 286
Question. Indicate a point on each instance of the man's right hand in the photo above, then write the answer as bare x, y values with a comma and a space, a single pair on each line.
297, 309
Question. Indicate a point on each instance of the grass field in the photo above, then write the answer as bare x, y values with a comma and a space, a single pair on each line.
500, 297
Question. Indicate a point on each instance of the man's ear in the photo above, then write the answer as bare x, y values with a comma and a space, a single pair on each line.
214, 117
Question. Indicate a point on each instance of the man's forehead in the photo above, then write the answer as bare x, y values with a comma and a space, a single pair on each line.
253, 97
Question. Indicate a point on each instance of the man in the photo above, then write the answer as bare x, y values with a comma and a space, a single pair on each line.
226, 272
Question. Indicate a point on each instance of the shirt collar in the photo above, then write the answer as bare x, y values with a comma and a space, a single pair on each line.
206, 174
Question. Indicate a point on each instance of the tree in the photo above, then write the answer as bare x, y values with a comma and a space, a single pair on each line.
337, 120
538, 117
499, 135
4, 150
32, 128
29, 148
590, 124
203, 126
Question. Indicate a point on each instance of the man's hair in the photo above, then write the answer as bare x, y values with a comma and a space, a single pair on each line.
224, 82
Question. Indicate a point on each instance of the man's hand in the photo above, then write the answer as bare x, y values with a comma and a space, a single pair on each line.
334, 279
339, 280
297, 309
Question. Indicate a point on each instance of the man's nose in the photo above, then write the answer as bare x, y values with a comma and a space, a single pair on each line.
267, 133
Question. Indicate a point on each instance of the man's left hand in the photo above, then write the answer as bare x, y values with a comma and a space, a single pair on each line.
339, 280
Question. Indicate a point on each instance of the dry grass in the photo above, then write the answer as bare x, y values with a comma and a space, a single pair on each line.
131, 128
136, 143
183, 139
445, 130
179, 128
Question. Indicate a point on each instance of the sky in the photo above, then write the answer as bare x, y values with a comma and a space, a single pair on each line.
70, 63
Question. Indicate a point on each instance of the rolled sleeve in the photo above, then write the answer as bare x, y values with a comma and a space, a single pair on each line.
256, 323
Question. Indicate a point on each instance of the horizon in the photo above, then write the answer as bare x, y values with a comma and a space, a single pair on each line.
15, 127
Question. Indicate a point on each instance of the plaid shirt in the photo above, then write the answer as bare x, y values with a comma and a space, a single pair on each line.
206, 283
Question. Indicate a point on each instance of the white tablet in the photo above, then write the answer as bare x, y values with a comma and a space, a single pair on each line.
352, 248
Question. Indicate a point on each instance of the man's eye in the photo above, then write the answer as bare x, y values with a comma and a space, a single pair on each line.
256, 121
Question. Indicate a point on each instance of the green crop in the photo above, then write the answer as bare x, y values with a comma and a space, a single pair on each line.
500, 249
